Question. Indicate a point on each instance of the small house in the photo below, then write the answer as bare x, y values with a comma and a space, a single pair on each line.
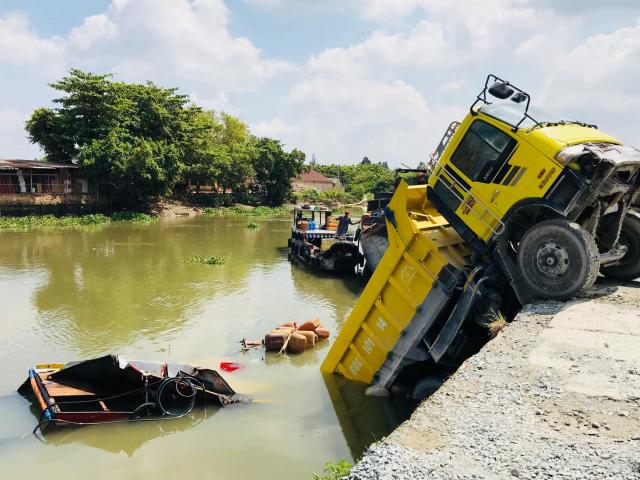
34, 182
314, 180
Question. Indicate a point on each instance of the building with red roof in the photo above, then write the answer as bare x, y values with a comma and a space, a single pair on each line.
316, 181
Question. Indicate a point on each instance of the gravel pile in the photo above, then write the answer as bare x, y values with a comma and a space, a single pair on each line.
501, 417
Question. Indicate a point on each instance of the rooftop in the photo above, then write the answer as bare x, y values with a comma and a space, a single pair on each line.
313, 176
12, 164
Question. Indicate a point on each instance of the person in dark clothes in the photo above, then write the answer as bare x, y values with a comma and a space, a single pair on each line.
343, 224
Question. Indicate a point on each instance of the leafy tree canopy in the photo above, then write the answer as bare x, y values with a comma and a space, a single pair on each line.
140, 139
361, 178
273, 169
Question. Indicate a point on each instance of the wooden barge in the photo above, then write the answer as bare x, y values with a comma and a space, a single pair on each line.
314, 242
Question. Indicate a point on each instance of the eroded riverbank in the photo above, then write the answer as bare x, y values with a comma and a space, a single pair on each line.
555, 395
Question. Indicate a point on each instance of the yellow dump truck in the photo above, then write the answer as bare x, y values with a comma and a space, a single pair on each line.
519, 204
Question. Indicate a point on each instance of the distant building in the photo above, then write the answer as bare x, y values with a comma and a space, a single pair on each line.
315, 180
33, 182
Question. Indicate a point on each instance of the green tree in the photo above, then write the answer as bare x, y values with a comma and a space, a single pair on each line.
361, 178
129, 137
201, 152
273, 170
236, 166
138, 140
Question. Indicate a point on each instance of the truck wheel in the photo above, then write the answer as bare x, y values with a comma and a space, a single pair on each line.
425, 387
557, 259
628, 268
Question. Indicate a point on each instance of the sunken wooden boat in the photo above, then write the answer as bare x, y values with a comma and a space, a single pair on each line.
113, 389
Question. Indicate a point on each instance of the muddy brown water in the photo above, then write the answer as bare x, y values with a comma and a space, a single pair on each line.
124, 288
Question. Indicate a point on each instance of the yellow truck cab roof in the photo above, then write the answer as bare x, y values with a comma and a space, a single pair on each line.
552, 135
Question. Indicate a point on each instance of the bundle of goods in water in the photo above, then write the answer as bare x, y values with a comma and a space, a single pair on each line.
293, 338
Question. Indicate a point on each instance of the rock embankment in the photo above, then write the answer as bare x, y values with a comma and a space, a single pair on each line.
555, 395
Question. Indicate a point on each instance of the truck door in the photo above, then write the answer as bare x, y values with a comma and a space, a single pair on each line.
478, 159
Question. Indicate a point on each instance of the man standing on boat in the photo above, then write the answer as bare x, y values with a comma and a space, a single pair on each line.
343, 224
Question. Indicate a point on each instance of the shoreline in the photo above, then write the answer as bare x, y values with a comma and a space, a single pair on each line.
555, 394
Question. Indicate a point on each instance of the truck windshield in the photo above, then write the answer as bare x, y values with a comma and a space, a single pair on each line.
512, 114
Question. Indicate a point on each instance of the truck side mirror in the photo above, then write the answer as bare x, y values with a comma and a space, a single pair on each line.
501, 90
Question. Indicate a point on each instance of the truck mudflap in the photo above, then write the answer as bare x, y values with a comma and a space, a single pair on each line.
415, 285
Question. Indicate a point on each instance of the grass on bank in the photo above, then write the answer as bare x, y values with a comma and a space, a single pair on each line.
334, 471
245, 211
65, 221
206, 260
496, 323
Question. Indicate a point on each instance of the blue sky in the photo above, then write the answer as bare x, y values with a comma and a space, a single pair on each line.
338, 78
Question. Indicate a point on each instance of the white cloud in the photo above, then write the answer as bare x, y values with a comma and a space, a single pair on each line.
347, 118
377, 97
452, 86
424, 44
183, 43
11, 128
19, 45
389, 95
597, 81
275, 128
169, 40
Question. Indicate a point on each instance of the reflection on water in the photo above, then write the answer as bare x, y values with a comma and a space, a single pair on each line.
120, 434
125, 289
363, 419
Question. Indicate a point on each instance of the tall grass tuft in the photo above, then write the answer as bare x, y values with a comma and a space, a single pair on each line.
496, 322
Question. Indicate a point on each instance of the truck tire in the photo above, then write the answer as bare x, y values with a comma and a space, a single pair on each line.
628, 268
557, 259
425, 387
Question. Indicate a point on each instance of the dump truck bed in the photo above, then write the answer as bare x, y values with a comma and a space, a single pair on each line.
409, 296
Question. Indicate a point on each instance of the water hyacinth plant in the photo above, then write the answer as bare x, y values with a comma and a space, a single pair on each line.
51, 221
206, 260
241, 210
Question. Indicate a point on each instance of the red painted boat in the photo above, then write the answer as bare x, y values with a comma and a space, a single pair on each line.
113, 389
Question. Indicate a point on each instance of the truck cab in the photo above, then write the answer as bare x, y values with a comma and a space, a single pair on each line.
508, 167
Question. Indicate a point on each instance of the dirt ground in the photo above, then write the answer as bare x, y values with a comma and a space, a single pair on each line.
174, 208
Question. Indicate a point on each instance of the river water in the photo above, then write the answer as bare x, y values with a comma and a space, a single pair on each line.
123, 288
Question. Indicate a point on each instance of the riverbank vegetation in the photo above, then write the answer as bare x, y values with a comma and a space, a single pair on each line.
50, 221
334, 471
143, 143
246, 211
362, 178
141, 140
331, 197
